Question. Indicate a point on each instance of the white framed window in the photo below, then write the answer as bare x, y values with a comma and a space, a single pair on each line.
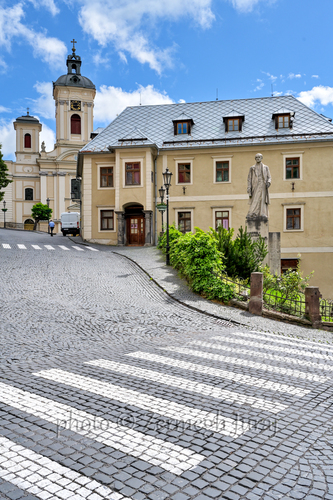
222, 170
293, 218
105, 175
184, 219
293, 166
106, 220
132, 173
184, 172
222, 217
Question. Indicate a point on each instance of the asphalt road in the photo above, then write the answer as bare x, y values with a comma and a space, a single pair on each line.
110, 389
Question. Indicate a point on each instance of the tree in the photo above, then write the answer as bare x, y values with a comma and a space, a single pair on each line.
4, 181
40, 212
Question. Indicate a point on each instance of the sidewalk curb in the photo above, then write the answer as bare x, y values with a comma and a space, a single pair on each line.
234, 322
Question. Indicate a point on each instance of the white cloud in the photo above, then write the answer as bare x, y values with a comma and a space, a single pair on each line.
260, 86
8, 139
292, 75
44, 105
49, 49
4, 110
247, 5
48, 4
99, 59
315, 76
48, 136
271, 77
111, 101
128, 25
321, 95
181, 101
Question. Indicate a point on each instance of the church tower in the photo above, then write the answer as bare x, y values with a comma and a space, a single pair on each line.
74, 99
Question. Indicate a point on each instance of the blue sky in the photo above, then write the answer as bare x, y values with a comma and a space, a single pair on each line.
162, 51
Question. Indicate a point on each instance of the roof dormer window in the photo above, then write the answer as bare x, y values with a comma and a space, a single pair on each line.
182, 125
283, 118
233, 121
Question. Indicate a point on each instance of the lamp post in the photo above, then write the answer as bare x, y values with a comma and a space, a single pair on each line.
162, 192
167, 183
48, 206
4, 209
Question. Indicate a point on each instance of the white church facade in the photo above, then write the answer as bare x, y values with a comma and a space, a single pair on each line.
41, 176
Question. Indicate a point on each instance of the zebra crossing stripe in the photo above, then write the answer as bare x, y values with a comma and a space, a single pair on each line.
279, 339
164, 407
18, 466
265, 355
63, 247
6, 246
168, 456
246, 362
189, 385
216, 372
36, 247
93, 249
78, 248
21, 247
49, 247
297, 350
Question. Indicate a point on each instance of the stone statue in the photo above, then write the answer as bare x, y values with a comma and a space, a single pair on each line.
258, 182
43, 147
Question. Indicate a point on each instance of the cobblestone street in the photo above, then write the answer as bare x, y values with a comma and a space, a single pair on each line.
111, 389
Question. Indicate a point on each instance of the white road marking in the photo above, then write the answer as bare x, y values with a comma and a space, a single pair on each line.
45, 478
6, 246
280, 339
266, 355
216, 372
93, 249
49, 247
247, 362
36, 247
296, 350
77, 248
21, 247
167, 455
164, 407
189, 385
63, 247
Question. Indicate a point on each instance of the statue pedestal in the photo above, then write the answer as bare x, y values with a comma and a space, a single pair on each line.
258, 226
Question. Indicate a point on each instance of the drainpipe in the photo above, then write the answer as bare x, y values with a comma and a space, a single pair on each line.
155, 189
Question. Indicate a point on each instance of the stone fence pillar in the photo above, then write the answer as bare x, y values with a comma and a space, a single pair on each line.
256, 300
312, 305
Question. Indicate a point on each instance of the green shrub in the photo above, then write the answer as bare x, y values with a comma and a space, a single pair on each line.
241, 256
288, 285
198, 259
174, 234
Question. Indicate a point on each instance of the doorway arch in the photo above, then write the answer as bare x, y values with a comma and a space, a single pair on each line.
134, 224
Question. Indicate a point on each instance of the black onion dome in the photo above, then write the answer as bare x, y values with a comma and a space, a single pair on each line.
74, 80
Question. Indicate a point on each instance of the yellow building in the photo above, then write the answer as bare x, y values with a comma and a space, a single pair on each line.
209, 148
40, 176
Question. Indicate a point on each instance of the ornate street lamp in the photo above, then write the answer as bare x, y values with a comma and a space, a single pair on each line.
161, 207
167, 183
4, 209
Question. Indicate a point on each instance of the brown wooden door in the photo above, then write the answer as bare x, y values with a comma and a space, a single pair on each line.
136, 230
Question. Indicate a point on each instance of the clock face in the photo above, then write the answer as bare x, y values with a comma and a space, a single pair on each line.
76, 105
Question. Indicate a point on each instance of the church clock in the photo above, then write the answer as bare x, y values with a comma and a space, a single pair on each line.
76, 105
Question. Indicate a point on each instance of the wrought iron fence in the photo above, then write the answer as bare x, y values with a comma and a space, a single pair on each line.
241, 288
276, 301
326, 310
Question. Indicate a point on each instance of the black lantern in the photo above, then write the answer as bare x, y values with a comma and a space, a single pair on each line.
167, 183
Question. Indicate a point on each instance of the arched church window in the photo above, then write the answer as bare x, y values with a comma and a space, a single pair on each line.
27, 141
29, 194
75, 124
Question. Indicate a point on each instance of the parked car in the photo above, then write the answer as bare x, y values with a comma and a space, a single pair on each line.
70, 223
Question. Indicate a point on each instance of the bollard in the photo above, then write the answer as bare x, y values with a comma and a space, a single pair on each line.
312, 306
256, 301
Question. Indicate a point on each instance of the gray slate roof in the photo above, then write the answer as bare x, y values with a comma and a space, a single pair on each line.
154, 124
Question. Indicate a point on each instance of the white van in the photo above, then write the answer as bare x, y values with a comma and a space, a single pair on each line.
70, 223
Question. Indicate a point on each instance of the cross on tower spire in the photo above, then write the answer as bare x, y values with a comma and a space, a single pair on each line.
73, 42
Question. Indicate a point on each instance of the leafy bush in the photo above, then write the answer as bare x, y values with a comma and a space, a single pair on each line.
288, 285
241, 256
174, 234
198, 259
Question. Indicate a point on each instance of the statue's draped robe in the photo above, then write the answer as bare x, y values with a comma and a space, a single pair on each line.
258, 181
